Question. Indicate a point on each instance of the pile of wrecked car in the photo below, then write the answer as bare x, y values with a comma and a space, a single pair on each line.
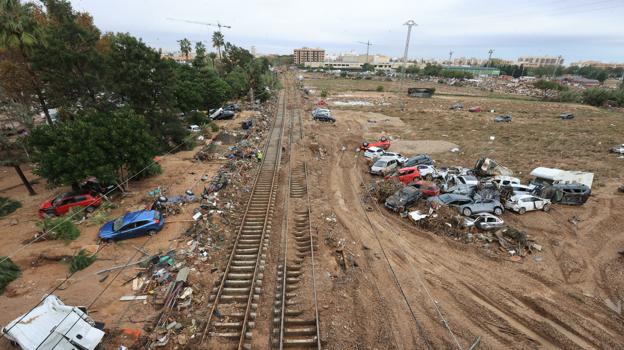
472, 198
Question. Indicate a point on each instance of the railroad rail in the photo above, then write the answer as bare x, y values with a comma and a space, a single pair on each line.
296, 316
235, 298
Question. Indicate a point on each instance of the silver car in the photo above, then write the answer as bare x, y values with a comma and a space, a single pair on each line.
482, 206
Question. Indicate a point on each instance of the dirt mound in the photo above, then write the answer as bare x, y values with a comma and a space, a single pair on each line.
408, 147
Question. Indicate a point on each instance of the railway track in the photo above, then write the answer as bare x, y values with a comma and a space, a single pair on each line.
235, 298
296, 317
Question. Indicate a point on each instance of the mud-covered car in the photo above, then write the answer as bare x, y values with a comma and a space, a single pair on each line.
564, 193
484, 221
566, 116
617, 149
503, 119
423, 159
402, 199
521, 203
449, 199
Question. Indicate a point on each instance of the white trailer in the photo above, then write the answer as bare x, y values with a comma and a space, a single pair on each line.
557, 176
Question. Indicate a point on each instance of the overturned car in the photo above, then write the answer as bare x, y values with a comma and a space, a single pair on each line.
402, 198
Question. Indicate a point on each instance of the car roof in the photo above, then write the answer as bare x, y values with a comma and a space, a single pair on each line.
386, 158
522, 195
374, 149
140, 215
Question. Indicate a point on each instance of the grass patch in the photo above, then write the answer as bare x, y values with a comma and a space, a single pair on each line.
8, 205
59, 229
8, 272
81, 261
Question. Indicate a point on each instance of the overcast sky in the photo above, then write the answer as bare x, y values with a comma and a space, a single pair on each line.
575, 29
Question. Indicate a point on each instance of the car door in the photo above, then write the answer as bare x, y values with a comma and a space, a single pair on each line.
405, 176
538, 203
63, 208
140, 228
126, 231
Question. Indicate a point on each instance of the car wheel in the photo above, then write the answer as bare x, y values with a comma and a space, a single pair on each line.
522, 211
498, 211
89, 209
151, 232
428, 177
546, 207
50, 214
467, 212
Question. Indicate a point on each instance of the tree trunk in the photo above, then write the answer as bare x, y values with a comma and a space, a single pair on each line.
219, 49
19, 171
35, 83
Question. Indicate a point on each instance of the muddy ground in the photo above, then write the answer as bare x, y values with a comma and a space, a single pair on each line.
555, 299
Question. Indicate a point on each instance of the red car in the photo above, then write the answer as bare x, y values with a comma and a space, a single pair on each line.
62, 203
407, 175
383, 143
474, 109
427, 188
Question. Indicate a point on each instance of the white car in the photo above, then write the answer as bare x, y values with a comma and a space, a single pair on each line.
505, 180
426, 171
617, 149
522, 189
384, 166
194, 128
521, 203
373, 152
462, 180
398, 156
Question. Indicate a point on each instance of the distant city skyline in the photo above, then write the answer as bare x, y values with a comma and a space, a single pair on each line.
577, 30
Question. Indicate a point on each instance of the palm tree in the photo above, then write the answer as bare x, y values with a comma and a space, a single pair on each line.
217, 41
19, 30
212, 56
185, 47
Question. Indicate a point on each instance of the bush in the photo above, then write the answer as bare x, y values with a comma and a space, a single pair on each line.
596, 96
380, 88
8, 272
343, 74
196, 118
213, 127
60, 229
190, 142
324, 93
8, 205
81, 261
570, 96
447, 73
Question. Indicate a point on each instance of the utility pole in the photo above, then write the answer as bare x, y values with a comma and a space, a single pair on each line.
368, 45
557, 63
489, 57
451, 57
409, 25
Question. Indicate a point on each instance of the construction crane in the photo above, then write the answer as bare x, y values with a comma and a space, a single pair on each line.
368, 45
218, 24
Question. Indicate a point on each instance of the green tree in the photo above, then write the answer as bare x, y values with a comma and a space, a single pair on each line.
185, 47
200, 54
137, 77
218, 41
237, 79
20, 32
69, 62
110, 146
413, 69
212, 56
431, 70
596, 96
367, 67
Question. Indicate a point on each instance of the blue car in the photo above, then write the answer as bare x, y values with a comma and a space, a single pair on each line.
133, 224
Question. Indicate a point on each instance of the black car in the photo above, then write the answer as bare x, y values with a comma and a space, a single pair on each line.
420, 159
324, 118
503, 119
232, 107
403, 198
570, 193
225, 114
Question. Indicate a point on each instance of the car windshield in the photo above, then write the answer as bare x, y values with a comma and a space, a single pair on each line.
58, 199
380, 163
118, 223
445, 198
